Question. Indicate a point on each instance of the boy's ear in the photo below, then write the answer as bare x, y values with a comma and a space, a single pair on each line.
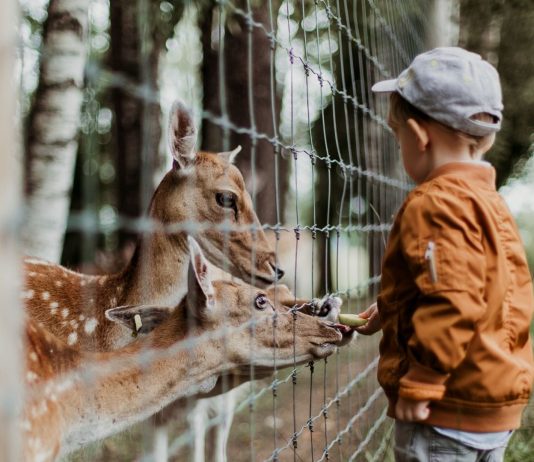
420, 133
486, 144
139, 318
200, 293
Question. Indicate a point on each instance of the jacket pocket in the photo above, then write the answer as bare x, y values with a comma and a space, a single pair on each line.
430, 261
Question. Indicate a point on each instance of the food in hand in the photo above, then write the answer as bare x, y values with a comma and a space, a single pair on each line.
352, 320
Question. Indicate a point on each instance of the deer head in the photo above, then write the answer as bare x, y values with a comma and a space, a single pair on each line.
252, 325
206, 189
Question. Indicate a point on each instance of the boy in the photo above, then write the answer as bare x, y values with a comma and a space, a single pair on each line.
456, 300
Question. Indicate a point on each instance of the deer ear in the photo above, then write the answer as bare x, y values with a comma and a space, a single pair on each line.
182, 136
139, 318
231, 155
200, 292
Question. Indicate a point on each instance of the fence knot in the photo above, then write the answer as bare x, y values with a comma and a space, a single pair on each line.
297, 232
272, 40
291, 56
249, 22
311, 365
313, 156
294, 375
310, 425
294, 440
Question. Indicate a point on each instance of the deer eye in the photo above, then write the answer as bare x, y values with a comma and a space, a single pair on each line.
228, 200
261, 302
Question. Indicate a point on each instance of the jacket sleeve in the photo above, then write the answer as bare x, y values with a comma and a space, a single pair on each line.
443, 248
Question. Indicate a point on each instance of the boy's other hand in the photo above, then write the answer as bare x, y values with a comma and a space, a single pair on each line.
373, 321
412, 411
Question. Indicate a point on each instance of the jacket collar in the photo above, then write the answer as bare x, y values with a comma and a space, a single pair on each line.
480, 172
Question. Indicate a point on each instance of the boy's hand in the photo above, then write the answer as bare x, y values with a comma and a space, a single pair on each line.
412, 411
373, 323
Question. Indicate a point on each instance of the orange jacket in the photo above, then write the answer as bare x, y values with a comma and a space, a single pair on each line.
456, 304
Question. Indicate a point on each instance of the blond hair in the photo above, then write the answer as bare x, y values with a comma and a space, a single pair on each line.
401, 110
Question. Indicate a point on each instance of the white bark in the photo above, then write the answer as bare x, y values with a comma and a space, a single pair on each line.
10, 312
55, 120
444, 20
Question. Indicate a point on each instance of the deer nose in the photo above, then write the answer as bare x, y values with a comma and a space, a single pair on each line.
277, 271
330, 308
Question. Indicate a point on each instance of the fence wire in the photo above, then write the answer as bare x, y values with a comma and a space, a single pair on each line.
334, 189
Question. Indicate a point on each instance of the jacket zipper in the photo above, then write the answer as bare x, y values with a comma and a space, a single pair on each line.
431, 261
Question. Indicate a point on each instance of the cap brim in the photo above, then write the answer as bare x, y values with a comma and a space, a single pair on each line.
385, 86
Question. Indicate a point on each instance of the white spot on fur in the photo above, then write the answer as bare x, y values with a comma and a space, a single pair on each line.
72, 338
25, 425
74, 324
54, 305
33, 356
59, 283
90, 325
31, 377
64, 386
102, 280
45, 295
32, 274
28, 295
64, 312
113, 302
83, 282
82, 317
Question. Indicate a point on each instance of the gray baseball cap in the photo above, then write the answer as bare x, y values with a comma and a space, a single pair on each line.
451, 85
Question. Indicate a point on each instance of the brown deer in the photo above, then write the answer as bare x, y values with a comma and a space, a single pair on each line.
203, 194
75, 397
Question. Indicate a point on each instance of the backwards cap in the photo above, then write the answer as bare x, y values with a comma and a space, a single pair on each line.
451, 85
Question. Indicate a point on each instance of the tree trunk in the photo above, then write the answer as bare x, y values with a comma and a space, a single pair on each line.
241, 60
53, 127
135, 56
10, 310
516, 69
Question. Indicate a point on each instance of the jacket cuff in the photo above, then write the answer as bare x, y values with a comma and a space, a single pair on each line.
422, 384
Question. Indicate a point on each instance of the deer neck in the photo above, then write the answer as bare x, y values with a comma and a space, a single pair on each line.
125, 391
157, 272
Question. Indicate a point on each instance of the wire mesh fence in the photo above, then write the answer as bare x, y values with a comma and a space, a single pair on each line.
289, 82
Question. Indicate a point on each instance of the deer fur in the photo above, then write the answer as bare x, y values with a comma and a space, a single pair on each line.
75, 397
202, 190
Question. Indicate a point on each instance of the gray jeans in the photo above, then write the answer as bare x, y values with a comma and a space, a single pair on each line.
415, 442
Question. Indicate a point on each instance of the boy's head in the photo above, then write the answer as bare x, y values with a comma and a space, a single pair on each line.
452, 91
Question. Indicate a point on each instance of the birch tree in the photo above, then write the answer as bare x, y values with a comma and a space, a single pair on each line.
53, 127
